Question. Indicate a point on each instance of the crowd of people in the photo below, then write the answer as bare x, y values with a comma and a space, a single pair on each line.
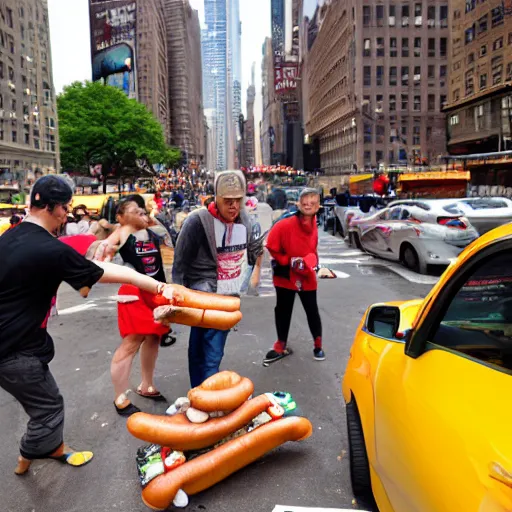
213, 249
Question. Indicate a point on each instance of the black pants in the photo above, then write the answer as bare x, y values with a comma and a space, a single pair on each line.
30, 381
284, 309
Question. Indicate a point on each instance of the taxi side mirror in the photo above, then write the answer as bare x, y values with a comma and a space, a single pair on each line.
384, 321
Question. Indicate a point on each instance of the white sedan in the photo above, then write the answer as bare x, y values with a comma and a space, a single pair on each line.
484, 213
418, 234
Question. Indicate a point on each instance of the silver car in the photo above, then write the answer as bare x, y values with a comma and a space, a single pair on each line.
483, 213
419, 234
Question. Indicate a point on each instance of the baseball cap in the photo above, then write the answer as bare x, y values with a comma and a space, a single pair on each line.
230, 184
50, 190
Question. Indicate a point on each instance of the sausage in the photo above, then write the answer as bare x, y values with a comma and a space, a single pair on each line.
178, 433
184, 297
227, 399
209, 319
221, 380
212, 467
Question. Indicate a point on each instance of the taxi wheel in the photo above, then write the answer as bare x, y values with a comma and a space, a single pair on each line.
359, 466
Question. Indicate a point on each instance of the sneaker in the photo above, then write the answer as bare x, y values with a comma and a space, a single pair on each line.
276, 352
319, 354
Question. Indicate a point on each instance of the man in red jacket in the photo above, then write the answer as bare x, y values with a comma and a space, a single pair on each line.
293, 243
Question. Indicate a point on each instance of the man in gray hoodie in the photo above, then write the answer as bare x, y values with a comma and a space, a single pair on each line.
212, 253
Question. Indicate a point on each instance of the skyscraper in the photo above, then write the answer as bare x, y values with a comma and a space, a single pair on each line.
185, 80
222, 81
28, 114
215, 75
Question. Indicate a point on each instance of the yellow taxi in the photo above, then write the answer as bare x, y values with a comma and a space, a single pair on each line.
428, 391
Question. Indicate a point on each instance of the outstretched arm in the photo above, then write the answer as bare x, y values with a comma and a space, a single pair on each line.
124, 275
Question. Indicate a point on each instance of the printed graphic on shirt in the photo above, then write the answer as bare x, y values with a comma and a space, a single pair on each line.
148, 253
231, 242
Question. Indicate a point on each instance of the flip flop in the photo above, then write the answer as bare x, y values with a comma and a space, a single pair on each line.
75, 459
152, 394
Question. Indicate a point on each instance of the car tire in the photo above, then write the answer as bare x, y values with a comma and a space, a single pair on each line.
410, 258
355, 241
359, 465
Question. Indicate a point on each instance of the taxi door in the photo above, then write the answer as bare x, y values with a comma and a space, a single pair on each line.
443, 409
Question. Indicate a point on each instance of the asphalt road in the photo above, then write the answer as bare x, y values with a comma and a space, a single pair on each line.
313, 473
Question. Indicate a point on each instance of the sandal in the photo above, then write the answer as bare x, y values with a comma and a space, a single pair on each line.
128, 409
72, 458
152, 394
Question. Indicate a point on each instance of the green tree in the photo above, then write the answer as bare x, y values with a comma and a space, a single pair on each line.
98, 124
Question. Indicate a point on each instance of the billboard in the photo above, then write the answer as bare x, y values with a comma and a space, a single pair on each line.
113, 37
285, 78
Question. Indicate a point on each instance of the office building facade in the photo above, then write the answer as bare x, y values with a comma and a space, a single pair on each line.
29, 142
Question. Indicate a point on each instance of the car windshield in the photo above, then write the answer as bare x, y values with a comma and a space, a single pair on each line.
486, 204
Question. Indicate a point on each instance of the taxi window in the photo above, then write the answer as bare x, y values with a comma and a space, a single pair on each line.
406, 214
478, 322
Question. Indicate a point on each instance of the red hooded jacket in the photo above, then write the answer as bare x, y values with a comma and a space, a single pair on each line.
291, 238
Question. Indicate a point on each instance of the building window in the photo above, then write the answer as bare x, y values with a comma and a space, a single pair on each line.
13, 105
405, 15
380, 47
509, 72
479, 114
379, 101
367, 76
367, 48
443, 16
431, 102
470, 5
379, 155
367, 157
442, 100
405, 102
497, 74
416, 140
367, 15
431, 47
392, 15
368, 134
11, 45
431, 71
418, 20
405, 47
497, 16
392, 76
483, 50
456, 95
417, 75
380, 15
471, 58
482, 25
9, 19
392, 102
469, 34
431, 16
498, 44
380, 75
417, 104
417, 46
443, 46
14, 136
483, 80
470, 86
393, 47
380, 134
405, 75
442, 71
404, 134
391, 156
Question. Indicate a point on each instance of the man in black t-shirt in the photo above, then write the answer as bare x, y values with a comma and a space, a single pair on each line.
33, 264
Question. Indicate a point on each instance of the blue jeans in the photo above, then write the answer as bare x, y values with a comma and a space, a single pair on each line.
205, 352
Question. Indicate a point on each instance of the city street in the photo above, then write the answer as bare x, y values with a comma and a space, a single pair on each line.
315, 473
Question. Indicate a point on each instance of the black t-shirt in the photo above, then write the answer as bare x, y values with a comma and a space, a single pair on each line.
144, 256
33, 264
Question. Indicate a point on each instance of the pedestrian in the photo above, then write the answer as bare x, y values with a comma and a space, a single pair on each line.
33, 264
139, 247
293, 245
211, 255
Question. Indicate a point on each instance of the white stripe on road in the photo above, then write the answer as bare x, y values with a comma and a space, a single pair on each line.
77, 309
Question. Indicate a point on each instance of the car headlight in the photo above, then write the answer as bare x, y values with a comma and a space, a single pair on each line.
433, 255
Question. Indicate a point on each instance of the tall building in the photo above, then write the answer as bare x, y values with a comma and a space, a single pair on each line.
479, 111
129, 51
377, 76
235, 72
187, 124
28, 114
250, 158
216, 89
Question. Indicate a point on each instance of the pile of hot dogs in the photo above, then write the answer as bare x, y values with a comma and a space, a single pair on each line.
224, 400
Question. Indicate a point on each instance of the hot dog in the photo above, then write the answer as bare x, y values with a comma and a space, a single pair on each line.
179, 434
227, 398
222, 380
209, 319
178, 295
213, 467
